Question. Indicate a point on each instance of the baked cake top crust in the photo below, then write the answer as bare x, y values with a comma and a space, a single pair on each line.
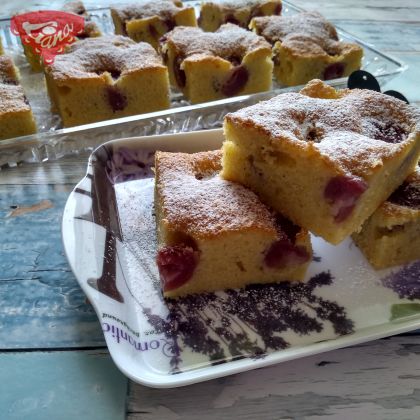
165, 9
229, 42
12, 99
198, 202
114, 54
8, 71
306, 33
352, 130
237, 4
78, 8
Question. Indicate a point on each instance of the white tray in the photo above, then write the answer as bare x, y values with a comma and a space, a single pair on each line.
109, 239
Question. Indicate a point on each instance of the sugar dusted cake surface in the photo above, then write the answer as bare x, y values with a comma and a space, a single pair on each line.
324, 158
8, 71
189, 208
227, 42
144, 9
357, 130
307, 32
91, 57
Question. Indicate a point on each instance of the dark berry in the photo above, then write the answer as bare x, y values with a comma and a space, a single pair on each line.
116, 99
342, 193
283, 253
176, 265
333, 71
153, 32
389, 132
179, 74
232, 19
236, 81
407, 194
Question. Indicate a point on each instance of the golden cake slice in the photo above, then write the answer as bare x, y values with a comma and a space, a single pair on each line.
91, 29
391, 236
216, 234
213, 14
148, 21
106, 77
1, 47
306, 47
207, 66
324, 158
16, 117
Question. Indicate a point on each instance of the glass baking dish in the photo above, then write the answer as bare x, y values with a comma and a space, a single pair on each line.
53, 142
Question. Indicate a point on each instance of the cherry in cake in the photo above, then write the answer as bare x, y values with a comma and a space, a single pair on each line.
106, 77
207, 66
391, 236
214, 14
306, 47
148, 21
216, 234
326, 159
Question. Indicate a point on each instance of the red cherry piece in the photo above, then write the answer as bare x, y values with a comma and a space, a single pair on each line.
283, 253
116, 99
334, 71
236, 81
232, 19
179, 74
342, 192
176, 265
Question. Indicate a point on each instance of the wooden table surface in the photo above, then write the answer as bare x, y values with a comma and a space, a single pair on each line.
53, 360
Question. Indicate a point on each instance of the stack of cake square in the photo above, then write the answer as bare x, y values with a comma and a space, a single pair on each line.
320, 160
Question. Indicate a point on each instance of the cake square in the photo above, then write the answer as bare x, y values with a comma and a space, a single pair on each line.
106, 77
391, 236
91, 29
240, 12
305, 47
148, 21
208, 66
326, 159
16, 117
215, 234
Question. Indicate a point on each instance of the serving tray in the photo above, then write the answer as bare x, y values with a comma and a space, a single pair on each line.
109, 238
53, 142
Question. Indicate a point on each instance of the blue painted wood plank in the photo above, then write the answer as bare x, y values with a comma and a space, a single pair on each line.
61, 385
42, 305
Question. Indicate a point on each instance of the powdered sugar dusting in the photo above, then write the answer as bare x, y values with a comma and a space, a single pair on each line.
92, 56
12, 99
197, 201
144, 9
229, 40
233, 5
306, 33
346, 130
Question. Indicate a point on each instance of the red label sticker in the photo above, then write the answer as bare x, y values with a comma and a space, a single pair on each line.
48, 32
